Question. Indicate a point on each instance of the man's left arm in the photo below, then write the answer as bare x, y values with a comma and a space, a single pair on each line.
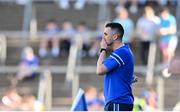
101, 68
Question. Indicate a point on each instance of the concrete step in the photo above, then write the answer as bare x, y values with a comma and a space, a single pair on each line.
14, 13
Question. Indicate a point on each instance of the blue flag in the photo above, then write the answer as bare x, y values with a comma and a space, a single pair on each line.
79, 103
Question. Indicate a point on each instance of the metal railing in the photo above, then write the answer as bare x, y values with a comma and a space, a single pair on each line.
45, 89
3, 49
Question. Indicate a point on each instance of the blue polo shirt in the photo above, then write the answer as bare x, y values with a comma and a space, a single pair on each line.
118, 80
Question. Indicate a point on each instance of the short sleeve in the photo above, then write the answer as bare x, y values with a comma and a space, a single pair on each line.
172, 20
113, 61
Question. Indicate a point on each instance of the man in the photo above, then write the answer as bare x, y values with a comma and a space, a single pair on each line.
127, 23
168, 38
51, 34
118, 68
147, 27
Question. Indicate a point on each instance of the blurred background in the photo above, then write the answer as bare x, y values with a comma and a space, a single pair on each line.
49, 49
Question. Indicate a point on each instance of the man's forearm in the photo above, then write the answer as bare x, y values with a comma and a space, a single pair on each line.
100, 65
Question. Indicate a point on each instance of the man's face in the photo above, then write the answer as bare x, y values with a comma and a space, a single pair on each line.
51, 25
165, 15
108, 36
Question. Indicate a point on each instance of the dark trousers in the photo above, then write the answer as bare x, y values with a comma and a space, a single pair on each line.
144, 52
118, 107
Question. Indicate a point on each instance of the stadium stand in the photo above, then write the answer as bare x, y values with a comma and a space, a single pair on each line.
12, 21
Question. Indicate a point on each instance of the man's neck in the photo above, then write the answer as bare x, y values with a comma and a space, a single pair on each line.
117, 45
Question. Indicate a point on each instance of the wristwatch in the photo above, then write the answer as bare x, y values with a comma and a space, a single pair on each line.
102, 49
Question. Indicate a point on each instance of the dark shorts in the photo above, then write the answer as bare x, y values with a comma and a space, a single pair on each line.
118, 107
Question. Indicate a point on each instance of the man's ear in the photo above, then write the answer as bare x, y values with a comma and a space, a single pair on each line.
115, 37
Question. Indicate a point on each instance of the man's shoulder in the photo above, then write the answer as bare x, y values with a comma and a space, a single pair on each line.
124, 49
124, 52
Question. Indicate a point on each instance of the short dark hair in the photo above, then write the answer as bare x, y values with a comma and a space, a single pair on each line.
118, 27
83, 23
51, 21
165, 8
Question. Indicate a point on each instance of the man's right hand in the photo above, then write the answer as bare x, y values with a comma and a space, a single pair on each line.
103, 43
